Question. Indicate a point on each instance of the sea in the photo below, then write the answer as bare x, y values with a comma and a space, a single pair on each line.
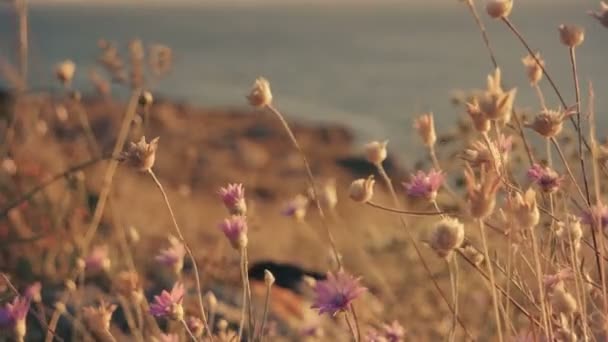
372, 66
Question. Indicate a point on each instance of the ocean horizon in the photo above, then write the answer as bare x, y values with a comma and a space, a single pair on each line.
369, 67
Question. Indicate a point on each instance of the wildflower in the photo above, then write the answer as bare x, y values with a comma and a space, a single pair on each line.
296, 207
393, 332
480, 121
571, 35
65, 72
169, 304
602, 15
336, 293
32, 292
235, 229
482, 193
446, 236
546, 178
362, 189
233, 197
141, 155
493, 154
375, 152
145, 99
425, 125
534, 69
597, 214
12, 317
495, 103
524, 209
423, 185
195, 325
549, 123
260, 95
98, 318
498, 9
98, 260
173, 257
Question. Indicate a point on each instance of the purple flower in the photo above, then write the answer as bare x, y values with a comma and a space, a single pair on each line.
296, 207
98, 259
233, 197
32, 292
546, 178
393, 332
423, 185
13, 314
336, 292
169, 304
597, 214
173, 256
235, 229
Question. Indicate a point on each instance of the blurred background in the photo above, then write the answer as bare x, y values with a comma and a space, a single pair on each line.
370, 65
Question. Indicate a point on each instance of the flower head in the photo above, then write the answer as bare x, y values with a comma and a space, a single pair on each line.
296, 207
602, 15
571, 35
496, 103
32, 292
534, 69
173, 256
393, 332
233, 197
597, 214
65, 71
145, 99
126, 283
545, 177
98, 318
335, 294
328, 195
260, 94
482, 192
375, 152
12, 316
141, 155
98, 260
446, 236
493, 154
480, 121
552, 280
235, 229
169, 304
524, 209
195, 325
424, 185
549, 123
498, 9
425, 125
569, 232
362, 189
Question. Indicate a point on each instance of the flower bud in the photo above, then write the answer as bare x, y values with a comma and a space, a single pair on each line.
65, 72
534, 69
375, 152
425, 125
602, 15
571, 35
498, 9
141, 155
260, 95
446, 236
362, 190
145, 99
268, 278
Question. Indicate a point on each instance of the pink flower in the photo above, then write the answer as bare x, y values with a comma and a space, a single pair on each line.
423, 185
98, 259
597, 214
235, 229
32, 292
336, 292
393, 332
169, 304
546, 178
173, 256
12, 315
233, 197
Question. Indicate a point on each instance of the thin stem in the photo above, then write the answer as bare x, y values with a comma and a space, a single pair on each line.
492, 279
188, 330
265, 314
350, 327
482, 29
356, 320
453, 270
245, 275
539, 279
244, 308
570, 174
405, 212
311, 182
188, 250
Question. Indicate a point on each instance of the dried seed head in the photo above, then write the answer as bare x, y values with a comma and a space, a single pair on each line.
549, 123
446, 236
375, 152
472, 254
65, 72
602, 15
495, 103
480, 121
524, 209
145, 99
126, 283
571, 35
141, 155
498, 9
260, 94
534, 69
425, 125
562, 301
482, 193
328, 194
98, 318
268, 278
569, 231
362, 189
